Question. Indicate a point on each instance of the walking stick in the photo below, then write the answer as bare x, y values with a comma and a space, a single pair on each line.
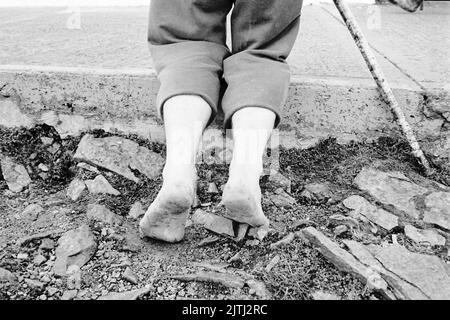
381, 82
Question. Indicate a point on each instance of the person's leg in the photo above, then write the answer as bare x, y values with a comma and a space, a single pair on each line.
252, 127
187, 44
185, 118
258, 78
408, 5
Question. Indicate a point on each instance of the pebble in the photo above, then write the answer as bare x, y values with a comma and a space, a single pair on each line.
275, 260
285, 241
319, 191
6, 276
74, 277
258, 288
339, 230
15, 175
46, 141
102, 214
258, 233
31, 212
43, 167
252, 243
69, 295
75, 189
52, 291
282, 199
278, 180
130, 276
87, 167
236, 257
54, 148
47, 244
136, 210
34, 284
22, 256
321, 295
208, 241
212, 188
76, 246
39, 259
101, 185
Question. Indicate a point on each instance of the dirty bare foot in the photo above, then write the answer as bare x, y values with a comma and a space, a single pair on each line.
242, 198
166, 217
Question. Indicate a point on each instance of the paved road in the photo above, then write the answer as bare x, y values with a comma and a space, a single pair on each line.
412, 48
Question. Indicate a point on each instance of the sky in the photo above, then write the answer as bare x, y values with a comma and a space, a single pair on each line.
107, 3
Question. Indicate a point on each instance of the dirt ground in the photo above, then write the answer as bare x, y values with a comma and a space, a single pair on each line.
300, 272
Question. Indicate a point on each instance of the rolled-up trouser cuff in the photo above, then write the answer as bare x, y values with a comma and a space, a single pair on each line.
191, 68
254, 82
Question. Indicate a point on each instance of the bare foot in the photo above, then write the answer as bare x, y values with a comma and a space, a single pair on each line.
242, 199
166, 217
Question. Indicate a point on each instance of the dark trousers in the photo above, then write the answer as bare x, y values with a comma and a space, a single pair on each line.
187, 41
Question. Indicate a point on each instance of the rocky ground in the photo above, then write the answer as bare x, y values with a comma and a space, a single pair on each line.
347, 222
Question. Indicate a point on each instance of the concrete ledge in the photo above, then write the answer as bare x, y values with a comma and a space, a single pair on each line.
79, 99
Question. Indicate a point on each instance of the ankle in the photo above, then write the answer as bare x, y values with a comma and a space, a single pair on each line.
179, 173
244, 173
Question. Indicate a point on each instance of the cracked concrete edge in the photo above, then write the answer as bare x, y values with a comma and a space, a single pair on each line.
81, 99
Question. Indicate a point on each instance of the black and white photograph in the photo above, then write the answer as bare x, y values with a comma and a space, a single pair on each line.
228, 158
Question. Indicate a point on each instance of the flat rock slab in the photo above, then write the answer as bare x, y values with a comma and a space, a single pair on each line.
214, 223
75, 247
391, 188
420, 236
362, 254
120, 156
126, 295
343, 260
400, 289
100, 213
427, 273
438, 209
225, 279
101, 185
379, 216
15, 175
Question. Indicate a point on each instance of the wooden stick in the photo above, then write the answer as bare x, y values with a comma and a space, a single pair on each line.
381, 82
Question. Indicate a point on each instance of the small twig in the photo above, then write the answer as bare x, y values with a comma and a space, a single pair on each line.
381, 82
